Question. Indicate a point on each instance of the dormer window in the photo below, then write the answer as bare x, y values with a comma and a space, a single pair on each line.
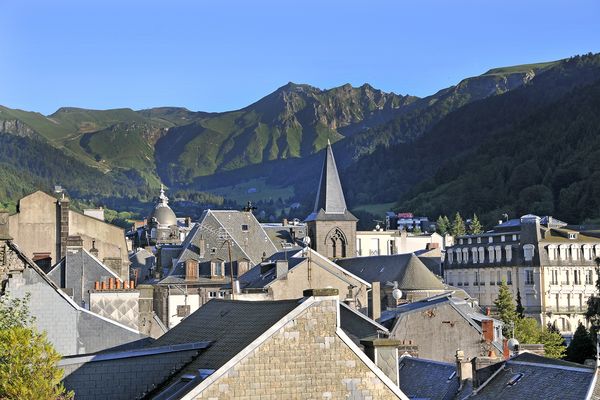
528, 251
469, 241
479, 240
572, 235
217, 268
490, 239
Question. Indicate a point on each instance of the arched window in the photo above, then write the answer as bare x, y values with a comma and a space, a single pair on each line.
336, 243
491, 253
528, 251
475, 254
481, 255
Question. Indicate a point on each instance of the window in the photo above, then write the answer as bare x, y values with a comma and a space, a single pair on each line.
509, 277
476, 282
528, 251
465, 255
577, 277
479, 239
503, 238
449, 256
566, 281
572, 236
490, 239
217, 268
244, 227
491, 254
574, 252
589, 280
481, 255
514, 238
469, 241
498, 253
458, 256
475, 253
529, 277
554, 277
460, 241
499, 276
508, 250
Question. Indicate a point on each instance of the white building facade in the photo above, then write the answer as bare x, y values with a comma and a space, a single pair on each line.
547, 262
386, 243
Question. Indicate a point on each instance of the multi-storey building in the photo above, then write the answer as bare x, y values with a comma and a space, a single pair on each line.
548, 262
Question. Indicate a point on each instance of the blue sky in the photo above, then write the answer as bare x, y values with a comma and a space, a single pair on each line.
223, 55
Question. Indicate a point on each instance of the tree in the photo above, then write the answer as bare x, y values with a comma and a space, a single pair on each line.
582, 346
28, 369
593, 312
443, 225
458, 226
528, 331
505, 307
476, 227
520, 310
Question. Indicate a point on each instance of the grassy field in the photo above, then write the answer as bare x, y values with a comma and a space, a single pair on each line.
264, 192
520, 68
377, 209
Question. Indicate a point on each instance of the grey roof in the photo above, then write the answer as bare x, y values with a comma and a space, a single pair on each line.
217, 225
427, 379
263, 274
229, 325
330, 197
71, 328
78, 271
406, 269
358, 326
542, 378
125, 375
144, 261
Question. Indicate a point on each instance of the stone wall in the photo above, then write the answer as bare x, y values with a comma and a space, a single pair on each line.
305, 359
319, 231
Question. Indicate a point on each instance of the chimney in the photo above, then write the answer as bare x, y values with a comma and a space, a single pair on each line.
63, 207
188, 221
202, 246
281, 269
94, 250
384, 353
285, 222
74, 244
487, 327
464, 369
375, 300
4, 226
191, 270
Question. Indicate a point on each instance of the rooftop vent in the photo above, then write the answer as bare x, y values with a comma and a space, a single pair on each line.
515, 379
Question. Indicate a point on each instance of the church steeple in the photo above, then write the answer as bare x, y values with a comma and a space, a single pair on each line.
331, 227
330, 196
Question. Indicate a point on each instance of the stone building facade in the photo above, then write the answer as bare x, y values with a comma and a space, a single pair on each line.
331, 227
549, 263
42, 225
307, 356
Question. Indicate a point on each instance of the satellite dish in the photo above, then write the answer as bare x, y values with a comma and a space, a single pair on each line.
397, 294
306, 241
513, 344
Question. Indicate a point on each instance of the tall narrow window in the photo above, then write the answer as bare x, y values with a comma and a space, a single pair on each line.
529, 277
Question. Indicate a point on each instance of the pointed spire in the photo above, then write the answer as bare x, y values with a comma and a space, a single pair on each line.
330, 196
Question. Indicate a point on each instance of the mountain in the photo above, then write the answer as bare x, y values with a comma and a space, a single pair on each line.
533, 149
390, 148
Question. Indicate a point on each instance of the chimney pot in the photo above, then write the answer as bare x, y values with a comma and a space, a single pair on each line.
111, 283
118, 284
131, 285
103, 286
126, 285
96, 285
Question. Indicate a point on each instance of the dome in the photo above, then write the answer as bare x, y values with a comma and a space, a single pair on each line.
162, 212
164, 215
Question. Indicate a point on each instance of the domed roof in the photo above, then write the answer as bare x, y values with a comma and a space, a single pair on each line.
162, 212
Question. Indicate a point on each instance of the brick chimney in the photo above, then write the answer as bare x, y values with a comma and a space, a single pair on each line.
376, 300
63, 212
464, 369
384, 353
487, 327
281, 269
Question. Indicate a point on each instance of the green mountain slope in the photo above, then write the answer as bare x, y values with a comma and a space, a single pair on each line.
510, 153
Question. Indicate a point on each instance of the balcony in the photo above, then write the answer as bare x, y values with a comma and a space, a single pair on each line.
566, 309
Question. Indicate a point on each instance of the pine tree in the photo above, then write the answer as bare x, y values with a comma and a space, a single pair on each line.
458, 226
520, 310
475, 227
581, 346
506, 308
442, 225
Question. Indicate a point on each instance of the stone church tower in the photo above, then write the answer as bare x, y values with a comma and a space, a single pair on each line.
331, 227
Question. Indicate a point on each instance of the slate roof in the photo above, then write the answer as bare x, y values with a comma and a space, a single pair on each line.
406, 269
358, 326
125, 375
81, 270
260, 276
427, 380
542, 378
230, 325
143, 260
330, 203
214, 228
